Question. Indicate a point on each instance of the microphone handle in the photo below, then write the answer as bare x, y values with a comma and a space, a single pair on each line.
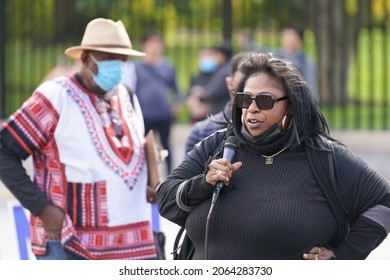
219, 185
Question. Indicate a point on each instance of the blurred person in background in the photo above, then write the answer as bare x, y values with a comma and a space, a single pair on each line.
157, 91
211, 98
292, 40
88, 196
292, 43
204, 128
130, 77
207, 65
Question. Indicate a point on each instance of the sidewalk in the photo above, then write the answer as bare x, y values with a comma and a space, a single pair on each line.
374, 147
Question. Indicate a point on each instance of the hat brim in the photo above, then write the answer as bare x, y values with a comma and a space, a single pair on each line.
75, 52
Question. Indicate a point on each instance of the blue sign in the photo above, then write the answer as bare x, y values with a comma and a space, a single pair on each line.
19, 216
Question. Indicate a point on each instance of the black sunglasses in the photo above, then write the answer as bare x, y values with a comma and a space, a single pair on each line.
264, 101
116, 121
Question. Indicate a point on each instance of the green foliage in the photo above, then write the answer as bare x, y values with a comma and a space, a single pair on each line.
351, 6
26, 68
94, 7
29, 19
368, 75
380, 10
187, 25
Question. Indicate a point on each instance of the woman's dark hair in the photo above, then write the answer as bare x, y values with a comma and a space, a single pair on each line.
307, 118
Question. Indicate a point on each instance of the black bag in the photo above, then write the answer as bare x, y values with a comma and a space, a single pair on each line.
159, 239
186, 249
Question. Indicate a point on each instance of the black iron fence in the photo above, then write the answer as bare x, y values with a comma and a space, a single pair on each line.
348, 40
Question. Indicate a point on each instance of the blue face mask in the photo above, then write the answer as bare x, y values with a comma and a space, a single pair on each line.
110, 73
208, 65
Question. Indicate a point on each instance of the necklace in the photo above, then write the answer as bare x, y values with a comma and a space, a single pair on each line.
270, 159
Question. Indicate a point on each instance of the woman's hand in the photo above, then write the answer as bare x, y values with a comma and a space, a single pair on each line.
319, 253
221, 170
52, 218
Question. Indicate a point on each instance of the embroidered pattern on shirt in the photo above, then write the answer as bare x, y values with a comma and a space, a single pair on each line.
128, 173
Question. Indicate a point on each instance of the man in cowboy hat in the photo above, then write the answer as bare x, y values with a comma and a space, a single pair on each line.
88, 194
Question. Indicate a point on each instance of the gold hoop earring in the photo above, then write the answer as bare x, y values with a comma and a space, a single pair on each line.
285, 122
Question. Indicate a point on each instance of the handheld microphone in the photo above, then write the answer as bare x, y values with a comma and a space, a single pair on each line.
229, 152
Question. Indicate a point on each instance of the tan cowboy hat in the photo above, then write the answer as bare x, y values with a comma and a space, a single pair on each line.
104, 35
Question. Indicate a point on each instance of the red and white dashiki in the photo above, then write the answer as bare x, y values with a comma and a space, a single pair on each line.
83, 166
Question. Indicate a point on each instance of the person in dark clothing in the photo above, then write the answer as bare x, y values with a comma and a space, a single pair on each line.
289, 195
213, 123
208, 65
210, 97
214, 93
157, 91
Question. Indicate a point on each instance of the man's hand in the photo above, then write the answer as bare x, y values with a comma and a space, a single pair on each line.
151, 194
52, 218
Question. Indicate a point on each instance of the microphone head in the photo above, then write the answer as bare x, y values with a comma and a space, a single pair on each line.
230, 148
232, 142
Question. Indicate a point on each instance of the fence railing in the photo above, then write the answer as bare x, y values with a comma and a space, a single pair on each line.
33, 41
